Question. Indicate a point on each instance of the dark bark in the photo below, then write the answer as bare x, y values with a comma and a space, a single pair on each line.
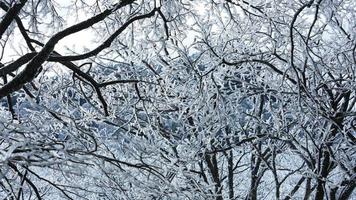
214, 171
10, 15
295, 189
231, 175
33, 67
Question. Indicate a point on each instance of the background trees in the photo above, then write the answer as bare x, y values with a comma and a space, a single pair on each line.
178, 99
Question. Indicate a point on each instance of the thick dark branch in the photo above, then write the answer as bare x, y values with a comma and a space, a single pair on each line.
27, 57
20, 26
347, 191
118, 81
9, 102
10, 15
33, 67
16, 64
295, 189
107, 43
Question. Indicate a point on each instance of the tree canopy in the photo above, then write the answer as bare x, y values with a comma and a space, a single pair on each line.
178, 99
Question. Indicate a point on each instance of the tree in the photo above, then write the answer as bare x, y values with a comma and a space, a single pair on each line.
180, 99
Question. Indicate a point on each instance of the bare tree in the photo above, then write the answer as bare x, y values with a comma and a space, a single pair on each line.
207, 99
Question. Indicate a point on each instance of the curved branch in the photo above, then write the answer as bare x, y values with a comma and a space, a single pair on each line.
34, 66
10, 15
107, 42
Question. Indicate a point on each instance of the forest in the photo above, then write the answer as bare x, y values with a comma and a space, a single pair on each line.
178, 99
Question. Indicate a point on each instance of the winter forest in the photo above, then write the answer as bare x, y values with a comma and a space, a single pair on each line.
178, 99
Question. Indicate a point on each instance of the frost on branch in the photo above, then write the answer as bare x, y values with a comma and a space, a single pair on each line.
177, 99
